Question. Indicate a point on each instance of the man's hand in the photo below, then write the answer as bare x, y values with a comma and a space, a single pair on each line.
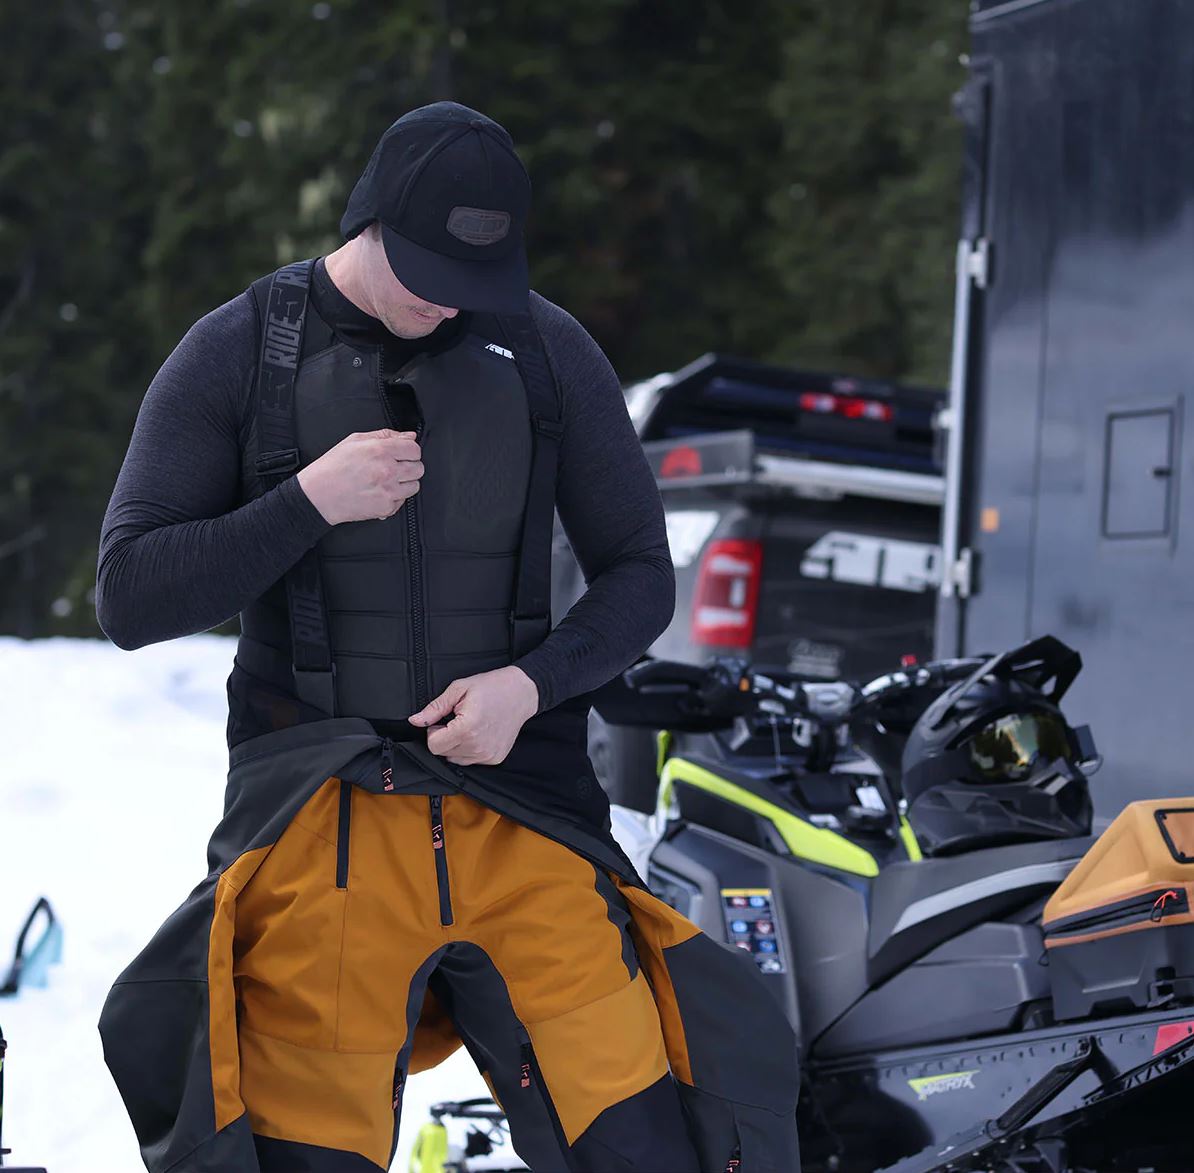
485, 713
367, 476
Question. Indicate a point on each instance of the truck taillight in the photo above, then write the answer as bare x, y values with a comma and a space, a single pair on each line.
726, 596
851, 407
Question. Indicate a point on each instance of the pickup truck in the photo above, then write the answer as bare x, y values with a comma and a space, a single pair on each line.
803, 515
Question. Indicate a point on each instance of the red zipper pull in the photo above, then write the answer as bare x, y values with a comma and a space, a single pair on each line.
525, 1069
387, 764
437, 822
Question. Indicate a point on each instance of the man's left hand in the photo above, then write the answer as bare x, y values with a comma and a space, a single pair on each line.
483, 713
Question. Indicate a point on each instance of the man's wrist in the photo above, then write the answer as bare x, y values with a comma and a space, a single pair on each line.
532, 692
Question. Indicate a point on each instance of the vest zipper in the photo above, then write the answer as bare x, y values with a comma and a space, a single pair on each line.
419, 648
441, 859
342, 833
414, 557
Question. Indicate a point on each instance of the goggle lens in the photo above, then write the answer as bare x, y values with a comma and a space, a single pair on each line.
1012, 747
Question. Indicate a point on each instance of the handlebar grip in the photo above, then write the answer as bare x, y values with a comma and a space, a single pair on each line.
652, 672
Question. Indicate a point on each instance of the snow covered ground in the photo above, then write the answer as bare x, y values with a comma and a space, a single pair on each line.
111, 781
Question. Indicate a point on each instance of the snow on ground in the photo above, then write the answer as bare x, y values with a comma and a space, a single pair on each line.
111, 781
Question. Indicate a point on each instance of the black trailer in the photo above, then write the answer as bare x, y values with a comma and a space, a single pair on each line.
1067, 474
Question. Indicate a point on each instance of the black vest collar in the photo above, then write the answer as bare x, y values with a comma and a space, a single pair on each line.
362, 331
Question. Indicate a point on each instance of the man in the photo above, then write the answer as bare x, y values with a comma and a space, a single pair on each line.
361, 455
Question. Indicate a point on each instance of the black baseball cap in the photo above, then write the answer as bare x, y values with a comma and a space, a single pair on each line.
452, 197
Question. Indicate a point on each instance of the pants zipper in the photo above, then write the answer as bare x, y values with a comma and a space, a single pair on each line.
399, 1084
342, 833
531, 1077
387, 764
441, 859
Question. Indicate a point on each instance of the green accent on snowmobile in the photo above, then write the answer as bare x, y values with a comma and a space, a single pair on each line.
909, 839
663, 743
815, 844
429, 1154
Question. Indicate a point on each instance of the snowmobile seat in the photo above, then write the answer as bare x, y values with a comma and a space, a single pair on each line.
917, 906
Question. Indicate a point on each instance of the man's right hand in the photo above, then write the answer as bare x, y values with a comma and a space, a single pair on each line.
365, 477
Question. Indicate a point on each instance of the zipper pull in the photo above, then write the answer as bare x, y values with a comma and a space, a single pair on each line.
735, 1162
387, 764
437, 822
398, 1081
524, 1079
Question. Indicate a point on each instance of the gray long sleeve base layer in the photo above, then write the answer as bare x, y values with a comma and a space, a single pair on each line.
179, 554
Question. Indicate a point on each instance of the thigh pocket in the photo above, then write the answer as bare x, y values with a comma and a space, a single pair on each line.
289, 929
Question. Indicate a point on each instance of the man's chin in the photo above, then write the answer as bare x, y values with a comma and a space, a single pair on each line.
412, 329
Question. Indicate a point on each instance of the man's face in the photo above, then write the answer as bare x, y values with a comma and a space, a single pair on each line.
403, 313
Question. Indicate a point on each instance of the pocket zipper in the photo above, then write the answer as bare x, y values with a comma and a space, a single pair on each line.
440, 850
342, 833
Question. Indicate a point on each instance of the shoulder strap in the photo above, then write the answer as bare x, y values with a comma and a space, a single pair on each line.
530, 616
282, 299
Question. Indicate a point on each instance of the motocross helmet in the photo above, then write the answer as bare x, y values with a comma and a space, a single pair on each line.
993, 760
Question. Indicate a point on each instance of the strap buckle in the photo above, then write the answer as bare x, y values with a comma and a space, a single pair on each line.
527, 632
284, 460
317, 687
550, 427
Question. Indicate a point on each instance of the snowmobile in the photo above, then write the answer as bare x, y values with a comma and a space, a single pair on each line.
1017, 995
484, 1148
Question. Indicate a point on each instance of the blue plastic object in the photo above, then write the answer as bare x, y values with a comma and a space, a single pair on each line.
31, 962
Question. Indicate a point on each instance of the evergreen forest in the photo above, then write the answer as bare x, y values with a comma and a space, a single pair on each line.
776, 180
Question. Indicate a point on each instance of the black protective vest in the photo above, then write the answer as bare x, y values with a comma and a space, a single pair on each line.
384, 614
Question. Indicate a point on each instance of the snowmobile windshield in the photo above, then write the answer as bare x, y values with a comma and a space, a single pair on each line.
1013, 747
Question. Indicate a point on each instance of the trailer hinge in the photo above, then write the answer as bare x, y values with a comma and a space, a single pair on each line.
978, 263
960, 575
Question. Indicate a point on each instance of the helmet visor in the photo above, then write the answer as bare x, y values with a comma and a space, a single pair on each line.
1014, 747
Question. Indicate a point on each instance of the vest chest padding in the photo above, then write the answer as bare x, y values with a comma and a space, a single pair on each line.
476, 450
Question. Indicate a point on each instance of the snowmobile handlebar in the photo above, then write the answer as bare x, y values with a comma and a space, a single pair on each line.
715, 693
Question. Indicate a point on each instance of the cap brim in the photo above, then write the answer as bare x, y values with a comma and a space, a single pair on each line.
497, 286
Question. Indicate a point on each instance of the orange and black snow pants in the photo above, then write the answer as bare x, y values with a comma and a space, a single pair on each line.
376, 915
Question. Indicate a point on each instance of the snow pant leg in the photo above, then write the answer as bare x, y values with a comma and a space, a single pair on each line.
547, 994
288, 1156
336, 934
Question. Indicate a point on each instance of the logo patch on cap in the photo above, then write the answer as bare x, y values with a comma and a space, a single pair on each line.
478, 225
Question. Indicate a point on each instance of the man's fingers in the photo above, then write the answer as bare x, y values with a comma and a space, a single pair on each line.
446, 740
